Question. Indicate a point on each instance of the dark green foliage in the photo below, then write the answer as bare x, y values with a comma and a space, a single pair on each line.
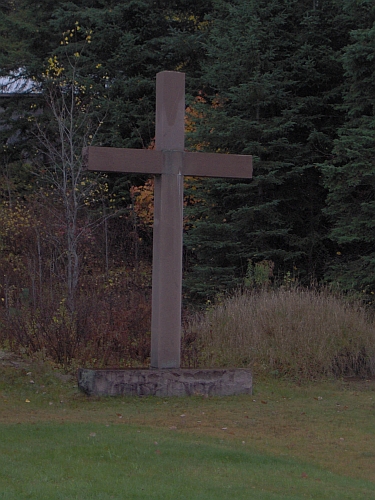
288, 81
25, 35
121, 47
271, 85
350, 175
130, 42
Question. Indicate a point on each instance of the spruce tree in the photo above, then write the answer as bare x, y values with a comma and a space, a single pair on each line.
350, 174
270, 86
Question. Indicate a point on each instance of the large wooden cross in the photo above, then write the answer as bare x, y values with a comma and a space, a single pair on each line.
169, 162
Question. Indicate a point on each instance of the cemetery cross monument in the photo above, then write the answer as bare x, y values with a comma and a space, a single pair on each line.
169, 162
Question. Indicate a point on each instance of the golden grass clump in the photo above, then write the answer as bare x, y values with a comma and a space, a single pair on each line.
298, 333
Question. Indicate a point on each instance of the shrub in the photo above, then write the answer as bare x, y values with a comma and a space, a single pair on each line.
109, 328
297, 333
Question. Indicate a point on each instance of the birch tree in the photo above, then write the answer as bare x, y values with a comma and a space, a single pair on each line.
67, 125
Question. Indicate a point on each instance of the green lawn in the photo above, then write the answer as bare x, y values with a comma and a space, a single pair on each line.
96, 461
284, 442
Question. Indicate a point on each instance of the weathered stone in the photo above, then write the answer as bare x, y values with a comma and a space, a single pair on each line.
171, 382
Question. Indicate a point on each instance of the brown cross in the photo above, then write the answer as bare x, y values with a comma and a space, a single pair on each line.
169, 163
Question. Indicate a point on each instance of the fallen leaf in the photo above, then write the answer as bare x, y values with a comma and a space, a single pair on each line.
304, 474
27, 401
264, 402
92, 434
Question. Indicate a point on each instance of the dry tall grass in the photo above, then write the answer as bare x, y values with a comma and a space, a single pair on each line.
296, 333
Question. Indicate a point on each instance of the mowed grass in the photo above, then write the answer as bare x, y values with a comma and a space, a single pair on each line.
92, 461
285, 442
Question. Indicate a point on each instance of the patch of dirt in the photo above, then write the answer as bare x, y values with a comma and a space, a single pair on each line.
360, 383
10, 359
359, 379
64, 377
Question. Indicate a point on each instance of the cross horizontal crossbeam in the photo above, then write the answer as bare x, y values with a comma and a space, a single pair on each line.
149, 161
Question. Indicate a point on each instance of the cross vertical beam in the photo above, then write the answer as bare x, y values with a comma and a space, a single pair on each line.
168, 222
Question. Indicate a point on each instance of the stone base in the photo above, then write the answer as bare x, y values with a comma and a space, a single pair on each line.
169, 382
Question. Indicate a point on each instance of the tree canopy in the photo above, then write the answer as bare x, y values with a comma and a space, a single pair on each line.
288, 81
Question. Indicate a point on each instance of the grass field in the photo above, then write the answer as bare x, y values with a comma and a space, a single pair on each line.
287, 441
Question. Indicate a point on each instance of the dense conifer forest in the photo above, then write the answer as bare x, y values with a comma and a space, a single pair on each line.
291, 82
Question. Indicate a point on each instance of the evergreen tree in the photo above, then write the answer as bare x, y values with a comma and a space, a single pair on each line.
121, 45
350, 175
131, 42
270, 84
